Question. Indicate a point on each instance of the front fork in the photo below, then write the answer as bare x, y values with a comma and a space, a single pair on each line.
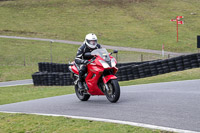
106, 79
105, 84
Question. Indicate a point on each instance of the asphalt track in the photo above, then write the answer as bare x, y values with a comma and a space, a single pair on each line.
16, 83
171, 104
105, 46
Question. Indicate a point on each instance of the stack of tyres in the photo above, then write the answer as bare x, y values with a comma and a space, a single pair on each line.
130, 64
65, 68
36, 79
61, 80
165, 67
52, 67
159, 67
56, 76
126, 64
65, 78
186, 63
193, 60
50, 79
69, 79
41, 66
124, 76
172, 65
179, 63
59, 74
129, 73
141, 71
198, 59
48, 67
135, 72
147, 70
152, 67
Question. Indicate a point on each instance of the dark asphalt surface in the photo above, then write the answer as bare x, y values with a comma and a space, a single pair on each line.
172, 104
105, 46
17, 82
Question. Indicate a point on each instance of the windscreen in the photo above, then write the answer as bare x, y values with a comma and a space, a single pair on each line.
103, 53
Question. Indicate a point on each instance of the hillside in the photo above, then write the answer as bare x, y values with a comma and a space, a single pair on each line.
133, 23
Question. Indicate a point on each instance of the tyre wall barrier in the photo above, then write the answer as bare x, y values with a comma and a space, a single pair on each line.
58, 74
53, 67
131, 63
56, 67
50, 79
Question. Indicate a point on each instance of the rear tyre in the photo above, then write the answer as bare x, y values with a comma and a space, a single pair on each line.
113, 93
80, 94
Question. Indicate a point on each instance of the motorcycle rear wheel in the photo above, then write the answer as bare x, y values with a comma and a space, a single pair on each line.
113, 93
81, 95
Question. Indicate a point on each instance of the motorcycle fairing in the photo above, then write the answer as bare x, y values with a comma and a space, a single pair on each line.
94, 73
108, 77
74, 69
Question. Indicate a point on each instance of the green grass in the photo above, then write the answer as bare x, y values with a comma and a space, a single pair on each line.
142, 24
23, 123
10, 73
174, 76
29, 92
15, 53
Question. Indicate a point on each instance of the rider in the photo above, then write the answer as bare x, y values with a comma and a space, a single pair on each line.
88, 45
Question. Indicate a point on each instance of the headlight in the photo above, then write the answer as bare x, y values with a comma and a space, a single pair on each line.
104, 64
113, 63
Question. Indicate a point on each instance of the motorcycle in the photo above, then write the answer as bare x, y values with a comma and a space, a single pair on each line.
100, 78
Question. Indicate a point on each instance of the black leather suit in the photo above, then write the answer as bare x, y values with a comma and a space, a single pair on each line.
80, 59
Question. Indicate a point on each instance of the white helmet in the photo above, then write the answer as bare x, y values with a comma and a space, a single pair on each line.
91, 40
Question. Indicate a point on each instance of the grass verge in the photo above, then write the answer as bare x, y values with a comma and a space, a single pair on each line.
47, 124
14, 94
132, 23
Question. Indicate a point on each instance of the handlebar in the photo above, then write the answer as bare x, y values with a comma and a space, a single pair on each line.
91, 60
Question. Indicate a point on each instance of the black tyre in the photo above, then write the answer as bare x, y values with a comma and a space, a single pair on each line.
113, 93
81, 95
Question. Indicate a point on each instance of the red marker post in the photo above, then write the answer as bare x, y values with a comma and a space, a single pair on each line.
163, 51
177, 23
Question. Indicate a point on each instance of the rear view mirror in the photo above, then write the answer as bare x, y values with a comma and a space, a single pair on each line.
115, 51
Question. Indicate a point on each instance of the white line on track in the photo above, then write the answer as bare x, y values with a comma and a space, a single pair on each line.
113, 121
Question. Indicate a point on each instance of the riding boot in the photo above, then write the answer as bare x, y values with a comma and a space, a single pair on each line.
80, 85
81, 78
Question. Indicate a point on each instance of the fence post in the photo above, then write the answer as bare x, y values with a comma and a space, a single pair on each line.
51, 49
141, 57
117, 56
24, 60
168, 56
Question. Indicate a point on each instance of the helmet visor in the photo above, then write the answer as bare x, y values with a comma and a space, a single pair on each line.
92, 42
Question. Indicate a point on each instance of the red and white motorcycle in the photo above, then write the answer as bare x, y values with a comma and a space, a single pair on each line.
100, 78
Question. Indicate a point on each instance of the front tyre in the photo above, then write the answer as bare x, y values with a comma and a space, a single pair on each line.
113, 92
81, 95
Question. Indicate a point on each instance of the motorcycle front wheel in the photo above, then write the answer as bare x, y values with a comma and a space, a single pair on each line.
81, 95
113, 92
